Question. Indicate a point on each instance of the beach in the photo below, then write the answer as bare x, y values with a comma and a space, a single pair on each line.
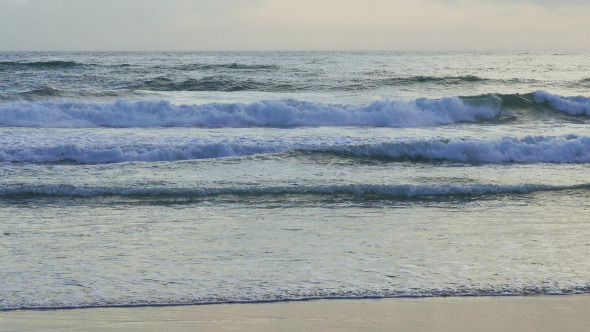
294, 165
506, 313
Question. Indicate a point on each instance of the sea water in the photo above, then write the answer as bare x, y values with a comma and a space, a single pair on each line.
211, 177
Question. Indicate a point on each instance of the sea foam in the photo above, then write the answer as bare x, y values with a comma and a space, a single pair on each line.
565, 149
569, 149
578, 105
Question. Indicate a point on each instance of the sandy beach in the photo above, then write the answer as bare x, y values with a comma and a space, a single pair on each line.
287, 165
522, 313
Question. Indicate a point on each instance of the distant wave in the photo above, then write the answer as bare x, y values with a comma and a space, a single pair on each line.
384, 191
585, 83
231, 66
373, 83
10, 65
570, 149
285, 113
436, 79
213, 83
227, 83
45, 92
42, 91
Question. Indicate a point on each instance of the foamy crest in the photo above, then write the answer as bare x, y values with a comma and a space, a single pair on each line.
573, 105
115, 154
568, 149
285, 113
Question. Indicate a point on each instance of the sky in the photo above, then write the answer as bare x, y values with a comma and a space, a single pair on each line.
438, 25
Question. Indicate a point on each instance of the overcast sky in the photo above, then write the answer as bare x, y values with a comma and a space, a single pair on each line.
294, 25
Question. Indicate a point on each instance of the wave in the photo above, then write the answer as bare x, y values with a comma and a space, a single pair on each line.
442, 80
281, 113
42, 91
231, 66
370, 190
569, 149
284, 113
375, 81
12, 65
45, 92
578, 105
116, 154
549, 149
213, 83
368, 84
226, 83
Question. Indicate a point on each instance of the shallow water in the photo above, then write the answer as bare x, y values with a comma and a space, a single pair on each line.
272, 176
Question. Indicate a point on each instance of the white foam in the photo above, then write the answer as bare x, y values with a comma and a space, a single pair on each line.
285, 113
573, 105
568, 149
115, 154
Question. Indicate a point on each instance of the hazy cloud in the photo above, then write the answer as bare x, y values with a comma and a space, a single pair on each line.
289, 24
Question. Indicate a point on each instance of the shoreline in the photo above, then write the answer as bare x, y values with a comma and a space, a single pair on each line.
270, 301
481, 313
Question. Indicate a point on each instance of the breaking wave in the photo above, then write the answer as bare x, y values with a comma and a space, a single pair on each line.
115, 154
282, 113
578, 105
285, 113
568, 149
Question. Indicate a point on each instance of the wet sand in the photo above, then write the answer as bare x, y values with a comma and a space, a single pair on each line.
518, 313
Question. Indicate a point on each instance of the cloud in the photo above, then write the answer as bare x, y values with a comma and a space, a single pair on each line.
545, 3
288, 24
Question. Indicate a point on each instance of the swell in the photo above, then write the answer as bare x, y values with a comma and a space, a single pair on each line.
221, 83
55, 64
46, 92
372, 191
42, 92
378, 82
530, 149
228, 83
226, 66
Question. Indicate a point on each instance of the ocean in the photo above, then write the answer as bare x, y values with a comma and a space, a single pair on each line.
162, 178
